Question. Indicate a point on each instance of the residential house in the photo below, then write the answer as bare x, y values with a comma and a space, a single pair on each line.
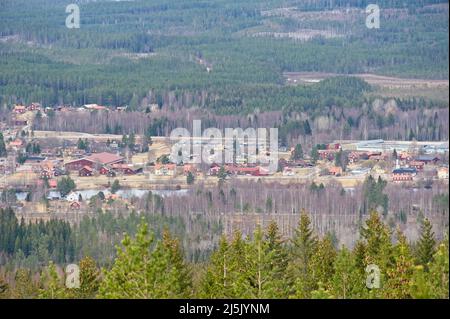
75, 205
123, 169
442, 172
427, 159
86, 171
335, 170
72, 197
417, 165
19, 109
165, 169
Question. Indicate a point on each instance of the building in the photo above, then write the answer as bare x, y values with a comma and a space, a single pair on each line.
335, 170
95, 107
241, 170
417, 165
403, 174
34, 107
327, 154
123, 169
86, 171
189, 168
75, 205
287, 171
165, 169
95, 160
427, 159
17, 144
72, 197
19, 109
442, 172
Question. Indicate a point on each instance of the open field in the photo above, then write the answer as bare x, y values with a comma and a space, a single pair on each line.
373, 79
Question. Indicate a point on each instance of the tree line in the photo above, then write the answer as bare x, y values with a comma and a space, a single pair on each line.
264, 265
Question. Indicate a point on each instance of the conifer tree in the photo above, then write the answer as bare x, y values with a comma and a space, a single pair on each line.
439, 271
145, 269
24, 286
426, 244
216, 282
52, 286
89, 278
304, 243
399, 277
347, 281
322, 262
267, 263
3, 287
3, 152
378, 246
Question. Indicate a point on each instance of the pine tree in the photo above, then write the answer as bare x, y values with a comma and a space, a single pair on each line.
145, 269
304, 244
426, 244
421, 285
439, 271
24, 286
399, 277
3, 287
278, 262
3, 152
266, 264
175, 280
347, 281
378, 246
322, 262
52, 286
89, 278
377, 249
215, 283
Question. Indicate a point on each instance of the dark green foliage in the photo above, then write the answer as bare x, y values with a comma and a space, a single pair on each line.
2, 146
65, 185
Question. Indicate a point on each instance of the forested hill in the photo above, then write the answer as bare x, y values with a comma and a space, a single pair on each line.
234, 50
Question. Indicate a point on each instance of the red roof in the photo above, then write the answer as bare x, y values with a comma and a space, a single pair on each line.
52, 183
104, 158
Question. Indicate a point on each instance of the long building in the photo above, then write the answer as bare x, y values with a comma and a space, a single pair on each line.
100, 159
401, 146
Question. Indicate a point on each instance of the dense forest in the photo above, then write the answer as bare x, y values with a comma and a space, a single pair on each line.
383, 264
133, 53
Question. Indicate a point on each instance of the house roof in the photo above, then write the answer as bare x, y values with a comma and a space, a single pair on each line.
426, 158
87, 168
404, 170
104, 158
166, 166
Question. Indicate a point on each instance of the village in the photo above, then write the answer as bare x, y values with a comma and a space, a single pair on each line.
67, 169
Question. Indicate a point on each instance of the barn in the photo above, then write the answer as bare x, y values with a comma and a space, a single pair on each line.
94, 160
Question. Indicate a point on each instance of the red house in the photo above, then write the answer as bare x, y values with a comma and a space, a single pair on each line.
99, 159
85, 171
123, 168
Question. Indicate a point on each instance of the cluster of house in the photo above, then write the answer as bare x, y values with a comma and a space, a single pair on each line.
21, 109
239, 170
412, 166
104, 163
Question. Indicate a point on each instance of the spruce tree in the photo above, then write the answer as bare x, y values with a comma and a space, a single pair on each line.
426, 244
322, 263
3, 152
399, 277
304, 244
89, 278
52, 286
